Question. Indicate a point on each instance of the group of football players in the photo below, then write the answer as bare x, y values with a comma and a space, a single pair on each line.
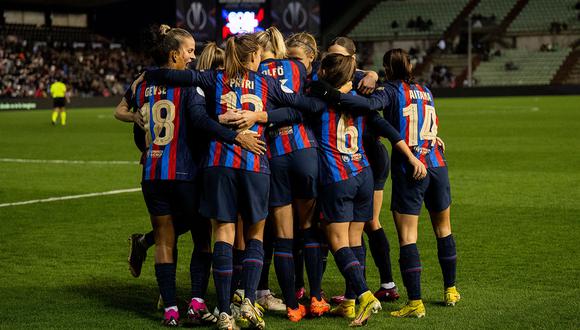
272, 151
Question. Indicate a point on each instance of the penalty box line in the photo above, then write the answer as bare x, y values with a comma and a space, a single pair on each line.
62, 198
64, 161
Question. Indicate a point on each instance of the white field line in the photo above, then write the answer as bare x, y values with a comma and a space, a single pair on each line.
62, 161
62, 198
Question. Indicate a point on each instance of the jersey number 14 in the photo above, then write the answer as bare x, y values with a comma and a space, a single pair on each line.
429, 128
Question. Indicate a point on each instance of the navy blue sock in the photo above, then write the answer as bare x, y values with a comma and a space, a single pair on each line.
165, 274
313, 260
252, 268
149, 239
264, 283
381, 252
298, 260
447, 259
238, 256
360, 254
222, 274
351, 269
324, 251
410, 263
199, 269
284, 265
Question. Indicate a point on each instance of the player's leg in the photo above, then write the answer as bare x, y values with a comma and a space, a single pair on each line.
199, 270
307, 251
236, 291
158, 198
253, 190
406, 203
265, 297
438, 201
62, 116
219, 202
381, 251
54, 115
362, 214
283, 254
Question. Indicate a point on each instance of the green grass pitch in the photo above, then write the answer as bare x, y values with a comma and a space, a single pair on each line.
515, 177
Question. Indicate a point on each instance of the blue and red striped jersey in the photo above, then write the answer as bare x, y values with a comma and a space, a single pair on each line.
411, 110
253, 92
171, 114
342, 154
287, 138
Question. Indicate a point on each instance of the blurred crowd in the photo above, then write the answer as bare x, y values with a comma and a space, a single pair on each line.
28, 70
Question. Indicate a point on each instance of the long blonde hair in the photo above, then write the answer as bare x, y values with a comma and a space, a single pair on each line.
211, 58
272, 40
239, 50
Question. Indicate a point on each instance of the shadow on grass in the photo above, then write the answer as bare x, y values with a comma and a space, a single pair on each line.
138, 298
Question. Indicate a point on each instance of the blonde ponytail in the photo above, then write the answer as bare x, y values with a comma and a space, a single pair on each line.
272, 41
238, 53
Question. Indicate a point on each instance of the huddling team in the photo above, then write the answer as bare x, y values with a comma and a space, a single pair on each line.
277, 155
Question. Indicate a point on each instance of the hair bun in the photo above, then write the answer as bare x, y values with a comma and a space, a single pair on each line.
164, 29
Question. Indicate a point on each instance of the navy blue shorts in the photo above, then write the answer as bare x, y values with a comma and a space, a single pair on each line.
408, 194
169, 197
348, 200
227, 192
378, 157
294, 176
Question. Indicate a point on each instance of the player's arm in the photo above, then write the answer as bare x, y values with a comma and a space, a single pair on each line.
327, 92
365, 81
383, 128
183, 78
282, 99
247, 140
246, 119
123, 110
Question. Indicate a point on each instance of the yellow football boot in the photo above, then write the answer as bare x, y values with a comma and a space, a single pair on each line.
413, 308
451, 296
344, 309
368, 305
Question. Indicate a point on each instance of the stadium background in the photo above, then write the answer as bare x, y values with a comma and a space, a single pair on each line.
511, 136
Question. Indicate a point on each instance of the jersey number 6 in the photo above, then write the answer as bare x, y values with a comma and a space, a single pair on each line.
343, 132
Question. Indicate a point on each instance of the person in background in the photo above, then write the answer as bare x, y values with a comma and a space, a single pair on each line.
60, 99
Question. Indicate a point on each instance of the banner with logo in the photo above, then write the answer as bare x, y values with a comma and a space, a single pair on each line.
296, 16
198, 17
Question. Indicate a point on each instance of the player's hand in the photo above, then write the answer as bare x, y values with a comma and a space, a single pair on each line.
250, 141
440, 142
346, 87
324, 91
419, 170
138, 119
137, 82
368, 84
247, 119
229, 117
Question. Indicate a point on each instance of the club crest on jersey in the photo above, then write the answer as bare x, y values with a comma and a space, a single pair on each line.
421, 150
156, 153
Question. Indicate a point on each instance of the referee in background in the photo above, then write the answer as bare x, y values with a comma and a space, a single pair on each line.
60, 99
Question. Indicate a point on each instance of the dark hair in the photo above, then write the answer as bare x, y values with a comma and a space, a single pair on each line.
337, 69
397, 65
345, 42
212, 57
238, 52
164, 40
